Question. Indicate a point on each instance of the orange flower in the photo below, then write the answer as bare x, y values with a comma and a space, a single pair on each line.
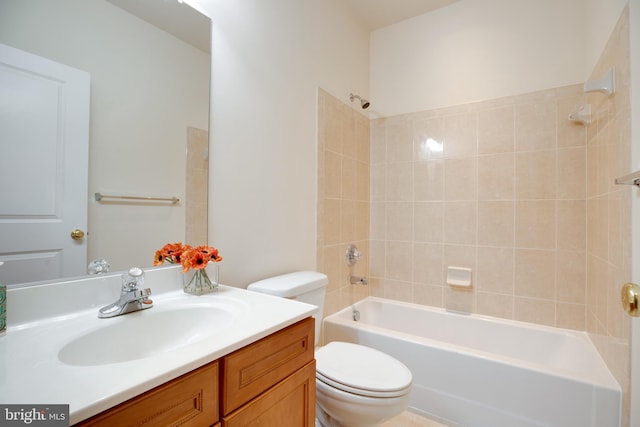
171, 253
188, 256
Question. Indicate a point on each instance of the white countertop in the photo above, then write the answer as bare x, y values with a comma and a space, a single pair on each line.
31, 372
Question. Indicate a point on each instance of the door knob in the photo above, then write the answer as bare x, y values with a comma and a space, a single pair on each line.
77, 234
630, 300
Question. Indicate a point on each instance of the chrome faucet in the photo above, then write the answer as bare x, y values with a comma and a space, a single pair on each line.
132, 298
358, 280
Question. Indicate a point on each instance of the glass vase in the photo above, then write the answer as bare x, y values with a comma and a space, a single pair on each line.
202, 281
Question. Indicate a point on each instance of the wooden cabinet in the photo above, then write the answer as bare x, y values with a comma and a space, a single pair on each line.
284, 359
190, 400
268, 383
291, 403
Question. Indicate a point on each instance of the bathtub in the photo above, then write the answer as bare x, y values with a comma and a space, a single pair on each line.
480, 371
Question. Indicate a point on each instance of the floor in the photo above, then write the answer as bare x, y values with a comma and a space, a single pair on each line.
409, 419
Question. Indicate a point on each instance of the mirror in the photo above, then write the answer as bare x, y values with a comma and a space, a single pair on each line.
149, 63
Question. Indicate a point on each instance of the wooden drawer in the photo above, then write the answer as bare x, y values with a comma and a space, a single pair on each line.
190, 401
255, 368
290, 403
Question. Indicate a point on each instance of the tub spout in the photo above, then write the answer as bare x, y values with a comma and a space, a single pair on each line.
359, 280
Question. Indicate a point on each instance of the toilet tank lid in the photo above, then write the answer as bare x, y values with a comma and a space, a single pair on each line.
291, 284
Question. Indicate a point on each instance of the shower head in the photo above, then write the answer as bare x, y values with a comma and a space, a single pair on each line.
363, 102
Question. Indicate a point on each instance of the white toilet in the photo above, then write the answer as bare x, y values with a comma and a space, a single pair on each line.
356, 386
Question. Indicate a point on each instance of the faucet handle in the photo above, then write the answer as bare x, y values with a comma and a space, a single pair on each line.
132, 279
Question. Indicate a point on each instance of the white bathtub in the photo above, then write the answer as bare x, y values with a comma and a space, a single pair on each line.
480, 371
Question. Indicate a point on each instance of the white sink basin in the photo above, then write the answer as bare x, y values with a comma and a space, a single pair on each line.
147, 333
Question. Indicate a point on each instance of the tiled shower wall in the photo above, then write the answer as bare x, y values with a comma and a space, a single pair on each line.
609, 210
343, 198
498, 187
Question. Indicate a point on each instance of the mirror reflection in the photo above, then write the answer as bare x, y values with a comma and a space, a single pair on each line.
148, 64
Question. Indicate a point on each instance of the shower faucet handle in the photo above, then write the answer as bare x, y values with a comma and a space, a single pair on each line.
353, 255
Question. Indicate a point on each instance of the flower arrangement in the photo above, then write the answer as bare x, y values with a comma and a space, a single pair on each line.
196, 258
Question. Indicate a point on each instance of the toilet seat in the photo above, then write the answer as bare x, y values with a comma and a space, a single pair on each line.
361, 370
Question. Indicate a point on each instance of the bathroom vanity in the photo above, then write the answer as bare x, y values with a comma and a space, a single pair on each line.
272, 380
225, 358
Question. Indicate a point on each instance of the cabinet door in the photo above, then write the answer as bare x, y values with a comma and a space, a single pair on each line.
188, 401
290, 403
255, 368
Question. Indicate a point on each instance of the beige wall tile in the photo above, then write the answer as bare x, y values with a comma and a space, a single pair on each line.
363, 139
536, 224
349, 178
428, 295
535, 125
572, 219
536, 175
459, 299
428, 217
348, 131
399, 261
332, 174
332, 217
378, 182
460, 179
399, 185
428, 138
535, 273
496, 223
572, 166
377, 264
496, 130
460, 222
399, 221
378, 221
427, 262
571, 279
399, 142
461, 138
495, 270
570, 316
496, 305
345, 185
533, 310
363, 184
496, 177
428, 180
398, 290
378, 146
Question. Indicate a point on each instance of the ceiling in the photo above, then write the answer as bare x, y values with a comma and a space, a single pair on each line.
376, 14
174, 17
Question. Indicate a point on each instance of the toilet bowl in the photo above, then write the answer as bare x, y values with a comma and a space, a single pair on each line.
359, 386
356, 386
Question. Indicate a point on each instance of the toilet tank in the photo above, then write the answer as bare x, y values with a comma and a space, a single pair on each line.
304, 286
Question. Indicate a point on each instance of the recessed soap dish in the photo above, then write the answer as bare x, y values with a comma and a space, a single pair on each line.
459, 276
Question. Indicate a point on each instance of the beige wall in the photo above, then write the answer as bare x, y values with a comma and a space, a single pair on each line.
609, 210
505, 197
476, 50
343, 198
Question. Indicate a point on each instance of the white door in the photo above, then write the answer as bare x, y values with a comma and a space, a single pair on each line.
44, 134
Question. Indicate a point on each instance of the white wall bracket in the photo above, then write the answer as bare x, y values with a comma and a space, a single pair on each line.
606, 84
